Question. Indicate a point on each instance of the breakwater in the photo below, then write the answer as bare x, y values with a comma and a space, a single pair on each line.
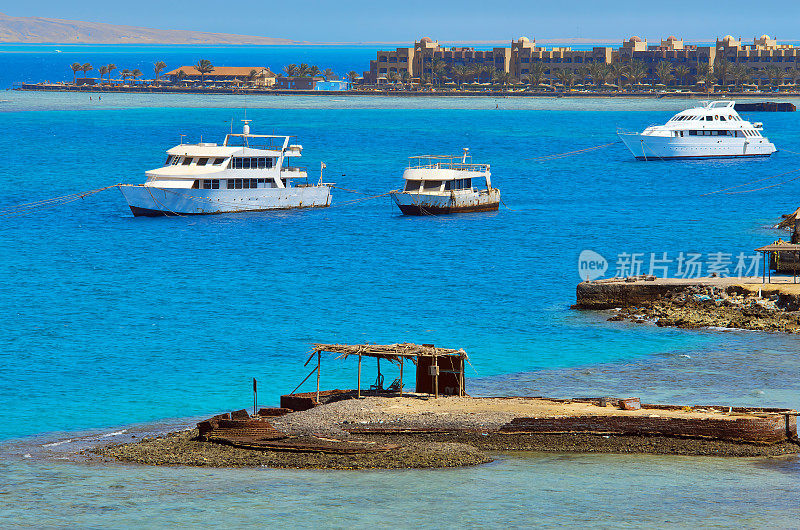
737, 303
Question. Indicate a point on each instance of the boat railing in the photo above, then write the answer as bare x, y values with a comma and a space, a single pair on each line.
458, 166
294, 169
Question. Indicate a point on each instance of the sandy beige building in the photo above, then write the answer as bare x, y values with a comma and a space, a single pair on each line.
225, 75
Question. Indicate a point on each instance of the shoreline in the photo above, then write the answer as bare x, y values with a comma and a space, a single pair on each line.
146, 89
720, 303
417, 431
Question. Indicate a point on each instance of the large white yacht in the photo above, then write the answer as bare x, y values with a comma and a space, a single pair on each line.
712, 130
248, 172
444, 184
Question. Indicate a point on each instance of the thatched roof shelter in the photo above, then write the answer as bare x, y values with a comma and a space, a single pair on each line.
779, 246
451, 360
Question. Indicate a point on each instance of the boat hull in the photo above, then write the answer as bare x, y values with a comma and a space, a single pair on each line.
148, 201
433, 204
645, 147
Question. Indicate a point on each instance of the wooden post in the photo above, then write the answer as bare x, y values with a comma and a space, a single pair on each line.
359, 375
401, 377
319, 362
436, 376
461, 379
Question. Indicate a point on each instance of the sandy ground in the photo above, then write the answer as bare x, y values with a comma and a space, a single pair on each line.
456, 412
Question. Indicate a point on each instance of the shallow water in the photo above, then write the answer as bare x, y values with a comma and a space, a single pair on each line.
114, 321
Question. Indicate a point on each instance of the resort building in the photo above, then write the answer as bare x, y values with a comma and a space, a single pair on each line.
298, 82
515, 60
763, 53
224, 75
671, 50
418, 61
524, 52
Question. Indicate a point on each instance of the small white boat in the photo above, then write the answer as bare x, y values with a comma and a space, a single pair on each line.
444, 184
248, 172
712, 130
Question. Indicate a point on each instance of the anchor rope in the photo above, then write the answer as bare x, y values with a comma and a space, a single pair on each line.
28, 207
571, 153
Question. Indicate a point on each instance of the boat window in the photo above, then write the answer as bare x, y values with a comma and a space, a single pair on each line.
722, 118
433, 184
709, 118
169, 160
175, 160
195, 184
218, 161
202, 161
187, 160
692, 133
212, 184
412, 185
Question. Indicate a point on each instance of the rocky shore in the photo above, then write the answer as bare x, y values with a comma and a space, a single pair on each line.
184, 449
705, 303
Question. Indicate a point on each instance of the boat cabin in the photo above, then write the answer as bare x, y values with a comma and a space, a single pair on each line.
431, 174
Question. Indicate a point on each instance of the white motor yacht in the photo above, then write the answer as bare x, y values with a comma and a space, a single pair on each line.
712, 130
248, 172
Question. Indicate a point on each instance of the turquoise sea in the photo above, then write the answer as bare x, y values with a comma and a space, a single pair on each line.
116, 325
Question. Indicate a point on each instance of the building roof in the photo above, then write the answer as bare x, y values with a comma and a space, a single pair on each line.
426, 40
243, 71
635, 39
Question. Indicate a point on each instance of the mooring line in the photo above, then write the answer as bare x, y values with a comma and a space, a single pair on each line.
570, 153
24, 208
727, 191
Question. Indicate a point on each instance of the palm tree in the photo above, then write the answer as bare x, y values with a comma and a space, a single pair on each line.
76, 67
774, 74
86, 67
157, 68
329, 74
204, 66
681, 71
502, 77
599, 72
125, 74
438, 71
460, 73
303, 70
313, 71
110, 68
181, 75
352, 75
536, 74
565, 76
103, 71
136, 73
636, 72
739, 74
290, 70
618, 72
705, 73
722, 70
664, 72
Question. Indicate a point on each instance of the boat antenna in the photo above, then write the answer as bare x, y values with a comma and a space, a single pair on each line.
466, 153
182, 138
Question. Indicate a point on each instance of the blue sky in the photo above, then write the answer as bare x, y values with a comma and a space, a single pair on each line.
445, 20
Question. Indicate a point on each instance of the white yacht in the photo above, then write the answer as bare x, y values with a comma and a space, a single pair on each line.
712, 130
444, 184
248, 172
